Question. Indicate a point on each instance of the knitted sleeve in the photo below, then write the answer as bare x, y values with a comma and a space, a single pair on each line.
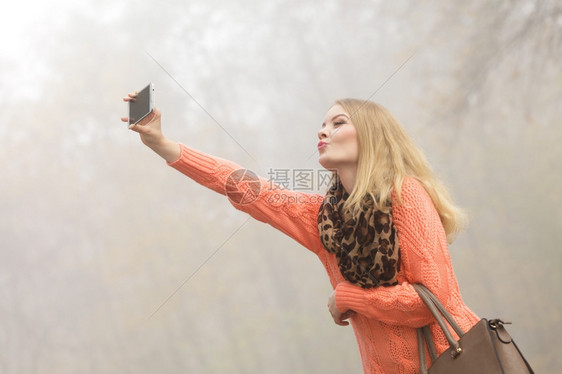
424, 259
291, 212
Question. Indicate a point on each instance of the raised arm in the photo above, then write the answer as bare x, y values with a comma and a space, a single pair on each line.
293, 213
424, 259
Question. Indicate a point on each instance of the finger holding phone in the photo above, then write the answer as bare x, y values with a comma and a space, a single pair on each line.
145, 119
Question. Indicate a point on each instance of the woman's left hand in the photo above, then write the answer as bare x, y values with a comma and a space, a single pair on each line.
339, 317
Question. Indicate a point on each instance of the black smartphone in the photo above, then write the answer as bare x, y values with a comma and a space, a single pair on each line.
143, 104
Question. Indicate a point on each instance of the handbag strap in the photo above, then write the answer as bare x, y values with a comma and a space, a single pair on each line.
442, 310
424, 333
439, 311
429, 341
423, 364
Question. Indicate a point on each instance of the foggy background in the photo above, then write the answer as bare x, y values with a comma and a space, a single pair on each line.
112, 262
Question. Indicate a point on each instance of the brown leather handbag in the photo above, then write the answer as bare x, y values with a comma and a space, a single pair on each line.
485, 348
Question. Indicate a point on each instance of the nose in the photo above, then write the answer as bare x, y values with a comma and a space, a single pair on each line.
323, 133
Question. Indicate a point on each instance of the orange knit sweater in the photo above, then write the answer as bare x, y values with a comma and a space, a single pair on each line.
387, 317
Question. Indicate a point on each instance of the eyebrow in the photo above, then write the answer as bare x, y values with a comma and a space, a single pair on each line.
336, 116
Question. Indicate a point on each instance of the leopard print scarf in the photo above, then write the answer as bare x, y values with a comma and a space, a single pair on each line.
366, 245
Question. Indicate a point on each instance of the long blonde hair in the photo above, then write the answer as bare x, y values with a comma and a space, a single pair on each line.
387, 156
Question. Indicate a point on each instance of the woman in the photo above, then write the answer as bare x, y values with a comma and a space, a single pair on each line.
383, 225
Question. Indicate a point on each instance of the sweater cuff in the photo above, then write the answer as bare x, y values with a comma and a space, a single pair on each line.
349, 297
194, 163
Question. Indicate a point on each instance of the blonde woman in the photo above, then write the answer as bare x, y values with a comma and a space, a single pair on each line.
383, 225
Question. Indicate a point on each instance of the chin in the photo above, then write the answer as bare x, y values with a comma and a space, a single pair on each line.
326, 164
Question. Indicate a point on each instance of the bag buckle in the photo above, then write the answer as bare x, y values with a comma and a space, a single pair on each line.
456, 352
495, 323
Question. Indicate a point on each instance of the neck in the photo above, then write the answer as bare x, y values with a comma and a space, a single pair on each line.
347, 176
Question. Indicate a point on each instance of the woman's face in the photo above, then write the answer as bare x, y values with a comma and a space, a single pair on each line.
338, 146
